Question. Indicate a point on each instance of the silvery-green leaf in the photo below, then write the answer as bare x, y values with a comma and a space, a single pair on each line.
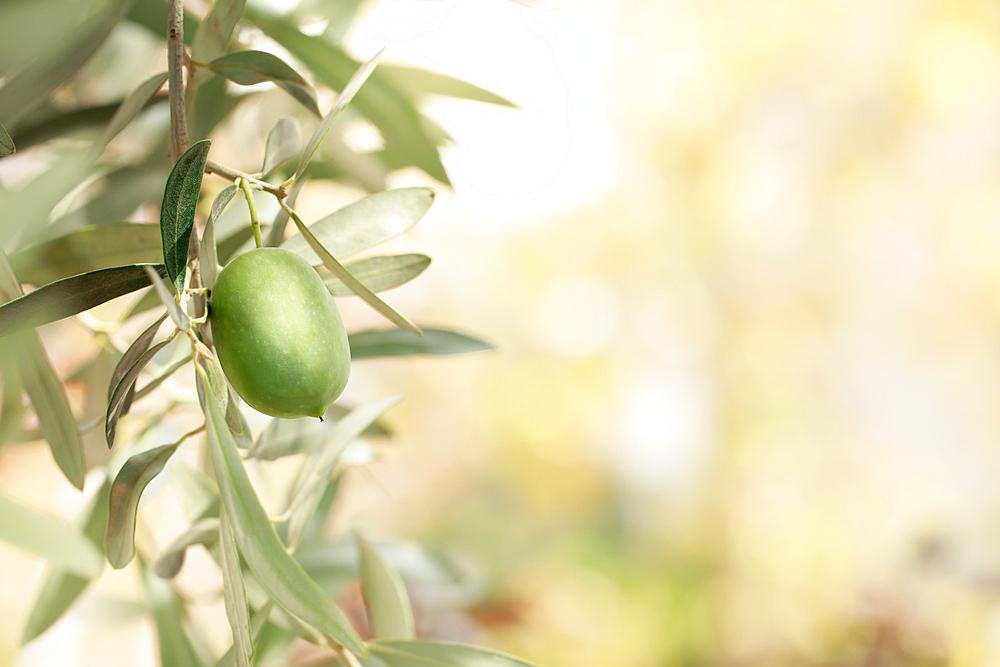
365, 223
247, 68
179, 317
388, 604
171, 560
45, 536
283, 142
420, 653
180, 200
395, 343
380, 273
237, 610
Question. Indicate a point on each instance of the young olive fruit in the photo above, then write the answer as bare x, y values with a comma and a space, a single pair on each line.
278, 334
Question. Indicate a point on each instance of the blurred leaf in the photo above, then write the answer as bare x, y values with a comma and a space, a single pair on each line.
312, 534
71, 296
196, 491
180, 200
213, 104
125, 189
171, 560
179, 317
418, 81
419, 653
175, 646
396, 343
284, 437
380, 273
26, 90
128, 486
282, 577
6, 145
379, 100
56, 420
388, 604
45, 536
88, 249
235, 595
49, 122
319, 468
130, 107
12, 407
116, 406
212, 37
61, 588
365, 223
27, 211
283, 143
346, 95
150, 386
338, 270
247, 68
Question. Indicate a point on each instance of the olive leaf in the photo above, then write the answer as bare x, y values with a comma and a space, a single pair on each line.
175, 647
138, 347
277, 233
171, 560
6, 144
396, 343
418, 81
180, 318
247, 68
237, 610
388, 604
213, 34
421, 653
180, 199
71, 296
46, 536
88, 249
347, 93
130, 107
148, 388
196, 491
61, 588
209, 254
283, 143
380, 273
365, 223
117, 403
126, 490
272, 565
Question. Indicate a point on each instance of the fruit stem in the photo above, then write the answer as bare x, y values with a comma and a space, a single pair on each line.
252, 205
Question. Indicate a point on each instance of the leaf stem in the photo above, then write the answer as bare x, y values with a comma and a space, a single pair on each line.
213, 167
175, 59
252, 205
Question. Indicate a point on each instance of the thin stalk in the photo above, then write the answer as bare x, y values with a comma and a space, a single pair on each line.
213, 167
252, 205
175, 63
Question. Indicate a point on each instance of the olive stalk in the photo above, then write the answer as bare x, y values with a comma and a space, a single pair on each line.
252, 205
175, 57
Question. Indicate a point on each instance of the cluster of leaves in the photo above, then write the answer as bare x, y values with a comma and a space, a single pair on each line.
280, 576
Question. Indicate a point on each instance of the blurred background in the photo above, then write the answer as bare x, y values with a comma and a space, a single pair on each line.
740, 261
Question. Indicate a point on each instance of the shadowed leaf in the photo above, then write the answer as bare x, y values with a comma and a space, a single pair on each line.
130, 107
117, 404
247, 68
180, 199
205, 532
283, 143
213, 35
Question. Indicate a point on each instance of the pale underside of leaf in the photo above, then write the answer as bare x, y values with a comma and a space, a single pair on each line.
388, 604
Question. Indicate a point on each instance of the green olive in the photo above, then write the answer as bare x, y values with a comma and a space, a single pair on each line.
278, 334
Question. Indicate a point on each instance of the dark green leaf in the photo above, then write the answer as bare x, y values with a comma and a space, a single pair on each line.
247, 68
180, 200
282, 577
138, 348
116, 406
365, 223
418, 653
213, 35
6, 145
283, 142
130, 107
62, 588
71, 296
380, 273
88, 249
45, 536
132, 479
418, 81
204, 532
388, 604
396, 343
237, 610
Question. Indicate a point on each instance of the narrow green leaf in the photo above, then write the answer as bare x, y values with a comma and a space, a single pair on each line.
235, 595
175, 646
209, 254
418, 81
365, 223
180, 200
71, 296
55, 418
150, 386
130, 107
282, 577
277, 233
283, 143
396, 343
25, 91
388, 604
380, 101
179, 317
45, 536
213, 35
419, 653
346, 95
247, 68
138, 347
211, 369
286, 437
380, 273
62, 588
116, 406
6, 144
88, 249
318, 470
171, 560
338, 270
128, 486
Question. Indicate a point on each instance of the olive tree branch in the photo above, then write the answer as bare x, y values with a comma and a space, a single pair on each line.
234, 175
175, 64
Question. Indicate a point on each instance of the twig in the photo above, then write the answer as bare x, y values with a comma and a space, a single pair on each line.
213, 167
175, 60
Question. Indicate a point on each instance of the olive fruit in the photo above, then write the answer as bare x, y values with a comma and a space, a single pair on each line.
278, 334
